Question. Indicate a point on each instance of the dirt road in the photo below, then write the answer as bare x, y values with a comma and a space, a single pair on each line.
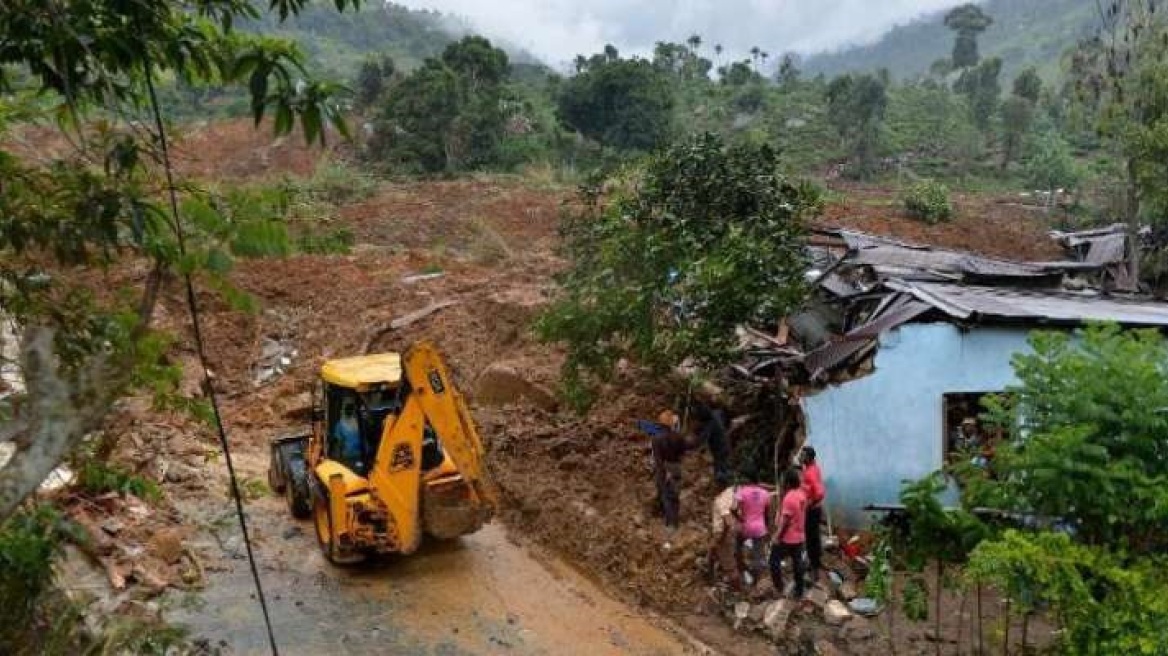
483, 594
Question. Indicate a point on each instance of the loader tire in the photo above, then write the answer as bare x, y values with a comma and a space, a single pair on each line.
322, 520
296, 488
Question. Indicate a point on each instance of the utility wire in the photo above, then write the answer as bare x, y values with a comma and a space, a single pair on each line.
208, 384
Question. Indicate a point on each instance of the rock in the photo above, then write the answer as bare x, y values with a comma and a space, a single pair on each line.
741, 612
835, 613
825, 648
776, 616
817, 596
864, 606
167, 545
857, 629
112, 526
502, 384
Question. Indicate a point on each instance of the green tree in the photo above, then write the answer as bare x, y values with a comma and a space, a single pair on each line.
1028, 85
98, 205
967, 22
1051, 165
855, 107
621, 103
677, 252
1086, 426
449, 115
981, 86
789, 73
373, 77
738, 74
1018, 114
1121, 82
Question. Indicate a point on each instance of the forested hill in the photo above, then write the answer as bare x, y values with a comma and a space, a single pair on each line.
336, 43
1025, 33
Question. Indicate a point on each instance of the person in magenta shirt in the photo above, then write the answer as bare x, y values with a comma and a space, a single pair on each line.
816, 493
789, 533
751, 503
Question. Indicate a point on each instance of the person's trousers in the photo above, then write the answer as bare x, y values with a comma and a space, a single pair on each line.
814, 537
668, 478
779, 552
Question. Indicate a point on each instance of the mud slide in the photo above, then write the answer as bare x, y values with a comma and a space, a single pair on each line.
482, 594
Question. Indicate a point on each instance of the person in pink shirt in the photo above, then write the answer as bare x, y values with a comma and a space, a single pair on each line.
816, 493
751, 503
789, 533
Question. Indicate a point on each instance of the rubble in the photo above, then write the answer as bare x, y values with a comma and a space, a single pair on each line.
835, 613
778, 613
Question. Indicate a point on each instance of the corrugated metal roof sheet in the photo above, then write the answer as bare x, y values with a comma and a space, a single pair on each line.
896, 312
965, 302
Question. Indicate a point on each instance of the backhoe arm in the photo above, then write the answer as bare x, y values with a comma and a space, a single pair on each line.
397, 476
447, 413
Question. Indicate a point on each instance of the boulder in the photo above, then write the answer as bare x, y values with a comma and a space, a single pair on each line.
835, 613
818, 597
776, 616
741, 612
503, 384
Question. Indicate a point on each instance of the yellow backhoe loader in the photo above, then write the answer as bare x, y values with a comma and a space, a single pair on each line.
392, 453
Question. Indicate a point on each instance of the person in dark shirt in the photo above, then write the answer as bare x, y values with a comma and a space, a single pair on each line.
712, 433
668, 447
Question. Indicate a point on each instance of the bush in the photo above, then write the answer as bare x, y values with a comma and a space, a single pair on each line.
928, 201
98, 478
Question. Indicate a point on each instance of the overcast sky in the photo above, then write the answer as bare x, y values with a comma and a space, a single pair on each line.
557, 30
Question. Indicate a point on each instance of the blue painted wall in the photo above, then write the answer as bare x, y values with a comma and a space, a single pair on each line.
874, 432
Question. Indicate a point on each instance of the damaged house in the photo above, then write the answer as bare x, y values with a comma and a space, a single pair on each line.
902, 341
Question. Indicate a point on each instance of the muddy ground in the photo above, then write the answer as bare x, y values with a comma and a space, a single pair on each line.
576, 490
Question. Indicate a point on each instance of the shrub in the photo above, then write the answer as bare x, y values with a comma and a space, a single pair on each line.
99, 478
928, 201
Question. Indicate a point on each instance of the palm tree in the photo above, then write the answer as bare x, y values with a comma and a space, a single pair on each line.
764, 54
694, 41
754, 53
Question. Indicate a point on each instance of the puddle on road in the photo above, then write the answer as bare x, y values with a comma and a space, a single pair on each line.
481, 594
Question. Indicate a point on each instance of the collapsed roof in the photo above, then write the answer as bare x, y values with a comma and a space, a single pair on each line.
866, 285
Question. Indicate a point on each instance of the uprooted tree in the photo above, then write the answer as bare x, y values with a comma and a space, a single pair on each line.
669, 257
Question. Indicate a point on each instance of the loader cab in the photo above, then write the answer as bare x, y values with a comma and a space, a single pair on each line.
370, 390
356, 396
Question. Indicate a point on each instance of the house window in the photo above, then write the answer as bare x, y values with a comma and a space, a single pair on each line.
965, 430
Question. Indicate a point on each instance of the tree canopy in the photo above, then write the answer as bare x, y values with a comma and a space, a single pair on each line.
622, 103
667, 258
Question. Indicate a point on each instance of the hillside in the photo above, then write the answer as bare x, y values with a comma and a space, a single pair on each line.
336, 43
1025, 33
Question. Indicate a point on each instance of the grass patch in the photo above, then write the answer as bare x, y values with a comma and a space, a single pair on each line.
98, 478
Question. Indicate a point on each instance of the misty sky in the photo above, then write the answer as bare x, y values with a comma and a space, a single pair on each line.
557, 30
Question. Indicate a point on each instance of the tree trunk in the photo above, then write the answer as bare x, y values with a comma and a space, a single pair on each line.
58, 413
1133, 223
